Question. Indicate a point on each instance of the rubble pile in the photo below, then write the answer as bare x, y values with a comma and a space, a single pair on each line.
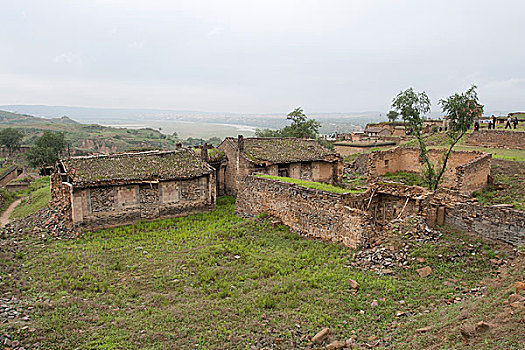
391, 248
46, 223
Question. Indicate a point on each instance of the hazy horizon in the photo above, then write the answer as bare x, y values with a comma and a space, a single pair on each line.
259, 57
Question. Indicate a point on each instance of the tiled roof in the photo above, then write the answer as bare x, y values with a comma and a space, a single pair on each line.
285, 150
131, 167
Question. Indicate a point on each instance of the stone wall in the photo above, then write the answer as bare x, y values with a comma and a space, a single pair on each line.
497, 222
466, 170
497, 139
314, 213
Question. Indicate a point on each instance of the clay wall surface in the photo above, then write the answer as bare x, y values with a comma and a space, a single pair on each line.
493, 222
108, 206
466, 170
345, 150
474, 174
314, 213
497, 139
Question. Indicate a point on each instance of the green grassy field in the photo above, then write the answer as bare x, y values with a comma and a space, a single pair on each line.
40, 194
439, 141
215, 281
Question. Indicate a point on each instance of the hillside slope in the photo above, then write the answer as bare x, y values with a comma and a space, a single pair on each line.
87, 137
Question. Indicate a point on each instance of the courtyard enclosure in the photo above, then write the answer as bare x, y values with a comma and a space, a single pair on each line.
466, 171
111, 190
289, 157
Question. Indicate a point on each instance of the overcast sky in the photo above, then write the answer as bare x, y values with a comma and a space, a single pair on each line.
259, 56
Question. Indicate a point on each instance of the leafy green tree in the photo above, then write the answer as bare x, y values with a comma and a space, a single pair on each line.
47, 149
413, 106
192, 141
215, 141
392, 116
460, 111
11, 139
301, 126
268, 133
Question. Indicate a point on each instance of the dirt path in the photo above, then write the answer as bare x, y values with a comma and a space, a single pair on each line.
4, 218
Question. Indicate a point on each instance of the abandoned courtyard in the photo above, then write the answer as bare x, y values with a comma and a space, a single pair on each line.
216, 281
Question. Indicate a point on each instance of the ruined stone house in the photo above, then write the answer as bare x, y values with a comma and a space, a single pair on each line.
466, 171
116, 189
290, 157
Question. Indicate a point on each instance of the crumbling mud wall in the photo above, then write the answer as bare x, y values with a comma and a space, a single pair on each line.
497, 139
314, 213
61, 197
474, 174
466, 171
497, 222
359, 165
108, 206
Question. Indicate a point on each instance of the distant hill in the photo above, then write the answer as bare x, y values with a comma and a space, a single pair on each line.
87, 138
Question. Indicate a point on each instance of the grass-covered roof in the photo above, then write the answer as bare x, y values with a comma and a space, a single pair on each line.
132, 167
286, 150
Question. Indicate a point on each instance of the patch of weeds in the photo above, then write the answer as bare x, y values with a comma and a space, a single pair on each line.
308, 184
410, 179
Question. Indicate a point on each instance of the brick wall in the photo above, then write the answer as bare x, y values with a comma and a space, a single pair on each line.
494, 222
497, 139
314, 213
